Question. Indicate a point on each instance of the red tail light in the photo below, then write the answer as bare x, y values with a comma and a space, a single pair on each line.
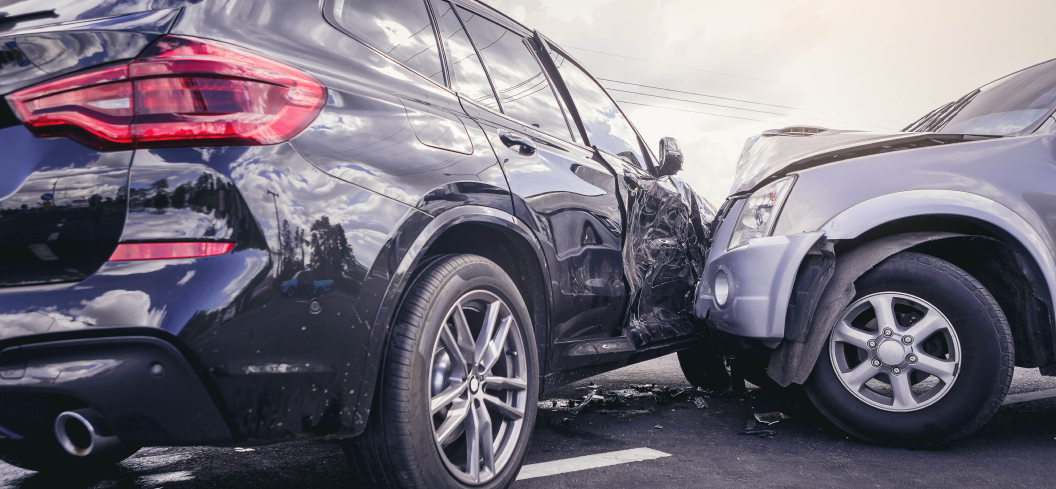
181, 92
169, 251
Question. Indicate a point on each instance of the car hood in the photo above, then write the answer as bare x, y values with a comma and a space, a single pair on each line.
775, 153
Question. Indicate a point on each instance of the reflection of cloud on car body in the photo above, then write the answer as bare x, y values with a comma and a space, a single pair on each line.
119, 308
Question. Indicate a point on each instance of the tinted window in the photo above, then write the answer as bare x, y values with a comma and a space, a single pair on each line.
522, 86
468, 77
606, 126
400, 28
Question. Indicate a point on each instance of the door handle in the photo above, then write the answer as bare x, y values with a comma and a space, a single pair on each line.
525, 146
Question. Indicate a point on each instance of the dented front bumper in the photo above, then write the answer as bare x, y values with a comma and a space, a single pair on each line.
754, 283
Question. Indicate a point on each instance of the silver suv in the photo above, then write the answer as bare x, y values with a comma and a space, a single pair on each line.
898, 277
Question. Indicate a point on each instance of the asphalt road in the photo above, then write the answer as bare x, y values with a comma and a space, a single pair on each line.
703, 446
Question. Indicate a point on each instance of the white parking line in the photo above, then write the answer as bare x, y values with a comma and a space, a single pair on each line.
1029, 396
589, 462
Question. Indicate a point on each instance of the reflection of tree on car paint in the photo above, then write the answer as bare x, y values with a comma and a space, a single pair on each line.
308, 257
303, 283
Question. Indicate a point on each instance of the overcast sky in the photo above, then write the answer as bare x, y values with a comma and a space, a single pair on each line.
851, 65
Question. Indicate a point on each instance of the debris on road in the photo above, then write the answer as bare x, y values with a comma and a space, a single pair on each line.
627, 412
659, 426
630, 393
771, 418
555, 404
590, 386
667, 395
751, 428
627, 401
591, 397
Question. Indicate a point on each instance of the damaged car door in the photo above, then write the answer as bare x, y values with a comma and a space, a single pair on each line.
568, 198
664, 241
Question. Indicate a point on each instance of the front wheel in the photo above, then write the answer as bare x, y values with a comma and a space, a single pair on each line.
457, 396
921, 357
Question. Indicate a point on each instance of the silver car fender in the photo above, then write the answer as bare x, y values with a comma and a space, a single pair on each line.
793, 361
871, 213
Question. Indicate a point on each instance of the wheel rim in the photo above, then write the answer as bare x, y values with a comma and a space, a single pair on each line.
895, 352
478, 387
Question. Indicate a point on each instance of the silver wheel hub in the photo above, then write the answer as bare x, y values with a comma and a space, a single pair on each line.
891, 352
479, 387
895, 352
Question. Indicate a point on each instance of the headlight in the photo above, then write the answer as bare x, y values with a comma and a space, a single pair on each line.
759, 214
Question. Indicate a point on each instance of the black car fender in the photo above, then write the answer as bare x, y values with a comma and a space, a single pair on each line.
415, 254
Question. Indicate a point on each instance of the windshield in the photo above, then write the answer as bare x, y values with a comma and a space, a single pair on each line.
1015, 104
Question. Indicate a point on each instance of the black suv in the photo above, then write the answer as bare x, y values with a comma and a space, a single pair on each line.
392, 222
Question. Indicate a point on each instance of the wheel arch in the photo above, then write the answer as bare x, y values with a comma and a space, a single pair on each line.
877, 212
950, 225
1019, 271
450, 232
512, 251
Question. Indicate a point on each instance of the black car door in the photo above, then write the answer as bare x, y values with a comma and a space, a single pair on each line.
560, 189
662, 249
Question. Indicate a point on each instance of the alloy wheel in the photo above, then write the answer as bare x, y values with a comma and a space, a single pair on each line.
478, 386
895, 352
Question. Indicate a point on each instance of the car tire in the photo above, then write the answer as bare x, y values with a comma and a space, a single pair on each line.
753, 369
953, 375
407, 442
291, 291
47, 456
704, 368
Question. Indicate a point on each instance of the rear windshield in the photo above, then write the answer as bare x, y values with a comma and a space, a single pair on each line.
1013, 105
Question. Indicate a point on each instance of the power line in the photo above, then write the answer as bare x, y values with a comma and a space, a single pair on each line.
750, 110
685, 67
705, 71
731, 99
694, 101
743, 118
703, 95
697, 112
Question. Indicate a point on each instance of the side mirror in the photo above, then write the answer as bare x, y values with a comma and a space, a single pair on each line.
670, 157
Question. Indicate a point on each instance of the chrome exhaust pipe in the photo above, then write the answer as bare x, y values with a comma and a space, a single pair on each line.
84, 432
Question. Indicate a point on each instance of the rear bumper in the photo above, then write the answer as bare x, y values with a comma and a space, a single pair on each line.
120, 377
760, 275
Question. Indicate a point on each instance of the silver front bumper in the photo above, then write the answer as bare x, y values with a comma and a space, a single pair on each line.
760, 276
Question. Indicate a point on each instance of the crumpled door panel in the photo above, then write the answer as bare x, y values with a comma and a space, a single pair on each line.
663, 255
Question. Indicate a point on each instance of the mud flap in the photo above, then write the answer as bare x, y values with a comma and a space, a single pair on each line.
792, 361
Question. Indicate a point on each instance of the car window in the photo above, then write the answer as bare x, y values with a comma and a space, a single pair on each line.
606, 126
468, 76
399, 28
519, 80
1007, 106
